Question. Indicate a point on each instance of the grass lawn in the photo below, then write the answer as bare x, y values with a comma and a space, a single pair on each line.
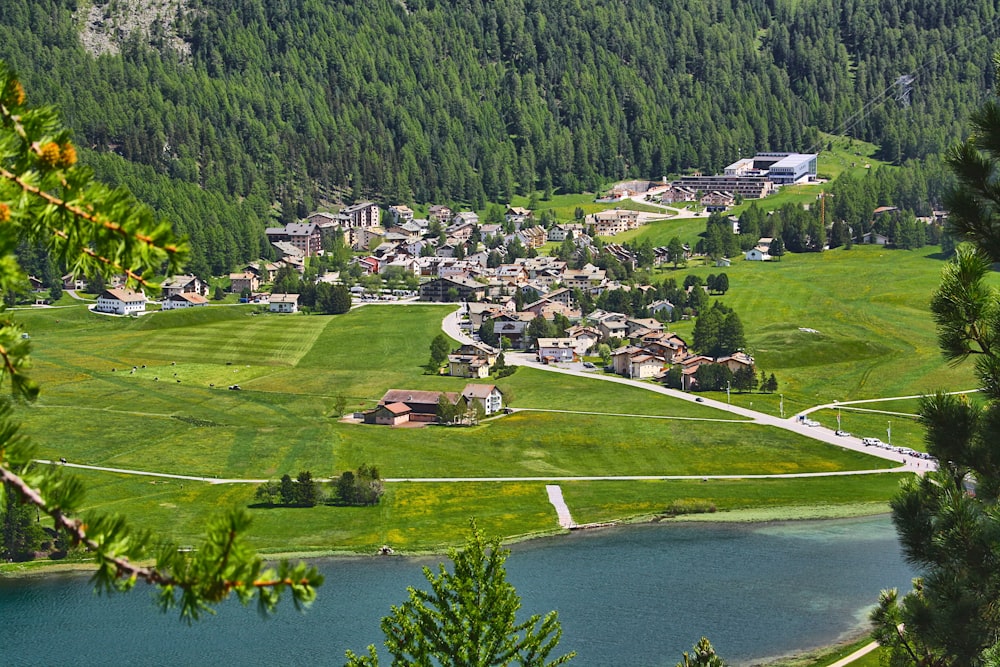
166, 416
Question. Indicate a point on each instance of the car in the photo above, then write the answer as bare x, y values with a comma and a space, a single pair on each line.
699, 399
587, 364
842, 434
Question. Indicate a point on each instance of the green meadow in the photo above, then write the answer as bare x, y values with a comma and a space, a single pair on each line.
175, 414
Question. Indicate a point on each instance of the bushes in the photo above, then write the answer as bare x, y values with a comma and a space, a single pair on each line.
363, 487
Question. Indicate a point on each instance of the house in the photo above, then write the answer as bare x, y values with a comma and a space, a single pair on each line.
662, 309
74, 282
517, 216
511, 326
487, 395
736, 361
362, 238
586, 337
439, 213
875, 238
392, 414
468, 366
184, 300
759, 253
245, 281
36, 284
283, 303
465, 217
401, 214
723, 262
636, 362
181, 284
556, 349
644, 325
120, 301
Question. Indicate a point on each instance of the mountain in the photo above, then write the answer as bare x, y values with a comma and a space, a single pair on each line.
213, 110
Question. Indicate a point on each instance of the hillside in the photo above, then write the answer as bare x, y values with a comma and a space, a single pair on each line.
301, 101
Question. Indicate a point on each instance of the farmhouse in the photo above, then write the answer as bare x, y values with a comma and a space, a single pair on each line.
181, 284
184, 300
120, 301
283, 303
392, 414
422, 406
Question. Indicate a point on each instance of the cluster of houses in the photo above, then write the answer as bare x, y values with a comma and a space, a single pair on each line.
183, 291
402, 407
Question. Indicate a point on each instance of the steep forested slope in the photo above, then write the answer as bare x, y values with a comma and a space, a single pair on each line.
285, 100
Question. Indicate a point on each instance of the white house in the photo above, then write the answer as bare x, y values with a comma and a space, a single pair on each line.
284, 303
757, 254
121, 301
556, 349
487, 395
184, 300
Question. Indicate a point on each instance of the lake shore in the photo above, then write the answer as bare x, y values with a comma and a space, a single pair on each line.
41, 568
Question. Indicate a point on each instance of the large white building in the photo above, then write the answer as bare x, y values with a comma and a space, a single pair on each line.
120, 301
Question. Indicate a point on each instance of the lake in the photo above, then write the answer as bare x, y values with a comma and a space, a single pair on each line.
635, 595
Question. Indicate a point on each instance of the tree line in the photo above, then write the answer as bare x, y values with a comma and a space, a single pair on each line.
273, 108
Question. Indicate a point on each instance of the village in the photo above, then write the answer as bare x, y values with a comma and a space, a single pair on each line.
511, 297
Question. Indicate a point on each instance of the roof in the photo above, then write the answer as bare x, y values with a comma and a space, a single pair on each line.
176, 281
284, 298
411, 397
123, 294
479, 390
565, 343
397, 408
190, 297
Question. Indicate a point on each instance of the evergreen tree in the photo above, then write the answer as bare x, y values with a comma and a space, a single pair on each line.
468, 617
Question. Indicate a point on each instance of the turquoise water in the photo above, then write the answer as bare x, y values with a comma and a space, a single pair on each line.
638, 595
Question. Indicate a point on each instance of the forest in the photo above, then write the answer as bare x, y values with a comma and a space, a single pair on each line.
276, 107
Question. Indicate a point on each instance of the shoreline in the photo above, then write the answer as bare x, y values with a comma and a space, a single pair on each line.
42, 568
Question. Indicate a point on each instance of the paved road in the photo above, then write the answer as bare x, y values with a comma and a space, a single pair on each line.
790, 424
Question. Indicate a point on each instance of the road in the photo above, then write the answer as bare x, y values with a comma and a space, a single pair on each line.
789, 424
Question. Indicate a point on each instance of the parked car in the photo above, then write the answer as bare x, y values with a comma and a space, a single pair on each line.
699, 399
587, 364
842, 434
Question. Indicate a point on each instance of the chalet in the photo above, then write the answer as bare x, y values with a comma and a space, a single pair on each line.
517, 216
468, 366
36, 284
511, 326
283, 303
439, 213
245, 281
736, 361
120, 301
465, 217
487, 395
760, 252
635, 362
184, 300
400, 214
662, 308
533, 237
586, 337
642, 326
183, 284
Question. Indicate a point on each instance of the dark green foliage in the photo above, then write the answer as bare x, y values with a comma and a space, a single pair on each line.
440, 347
468, 617
718, 331
361, 488
21, 531
442, 101
713, 377
703, 655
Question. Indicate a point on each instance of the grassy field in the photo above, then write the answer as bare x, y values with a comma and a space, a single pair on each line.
173, 413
